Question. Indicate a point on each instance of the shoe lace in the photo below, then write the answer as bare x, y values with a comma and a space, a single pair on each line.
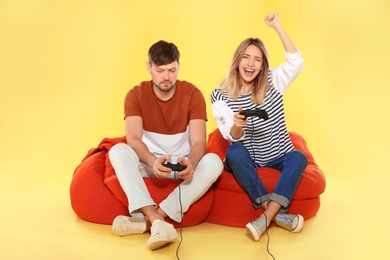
130, 227
157, 227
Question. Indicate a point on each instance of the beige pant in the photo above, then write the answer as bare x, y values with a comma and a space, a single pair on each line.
130, 172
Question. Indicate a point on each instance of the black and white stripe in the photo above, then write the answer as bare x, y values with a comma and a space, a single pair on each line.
264, 139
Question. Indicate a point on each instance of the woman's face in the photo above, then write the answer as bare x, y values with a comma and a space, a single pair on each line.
250, 64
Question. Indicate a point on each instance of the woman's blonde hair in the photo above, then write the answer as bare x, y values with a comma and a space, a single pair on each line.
233, 81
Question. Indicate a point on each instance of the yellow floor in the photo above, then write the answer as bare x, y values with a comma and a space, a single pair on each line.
37, 222
65, 67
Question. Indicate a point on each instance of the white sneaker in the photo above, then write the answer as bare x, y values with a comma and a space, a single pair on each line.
124, 225
161, 234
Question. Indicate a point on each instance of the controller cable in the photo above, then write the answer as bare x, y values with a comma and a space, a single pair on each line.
181, 215
257, 187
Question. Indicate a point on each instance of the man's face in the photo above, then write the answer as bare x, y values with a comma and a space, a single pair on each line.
164, 76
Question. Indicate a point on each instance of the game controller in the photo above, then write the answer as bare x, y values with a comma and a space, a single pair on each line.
175, 167
257, 112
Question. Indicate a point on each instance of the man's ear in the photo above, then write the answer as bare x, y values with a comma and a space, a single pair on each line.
149, 67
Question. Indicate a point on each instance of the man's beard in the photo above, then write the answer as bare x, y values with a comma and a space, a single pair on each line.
164, 89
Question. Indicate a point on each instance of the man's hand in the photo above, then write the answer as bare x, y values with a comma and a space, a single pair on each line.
159, 170
188, 172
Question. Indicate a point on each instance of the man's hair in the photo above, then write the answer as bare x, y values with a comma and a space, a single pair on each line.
162, 53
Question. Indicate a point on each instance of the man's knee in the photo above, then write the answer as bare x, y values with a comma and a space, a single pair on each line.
121, 149
212, 164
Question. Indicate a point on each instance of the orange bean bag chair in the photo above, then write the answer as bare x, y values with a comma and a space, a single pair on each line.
97, 196
232, 206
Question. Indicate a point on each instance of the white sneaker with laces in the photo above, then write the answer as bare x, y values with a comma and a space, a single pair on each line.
161, 234
124, 225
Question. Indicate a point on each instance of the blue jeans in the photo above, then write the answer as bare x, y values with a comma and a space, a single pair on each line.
291, 165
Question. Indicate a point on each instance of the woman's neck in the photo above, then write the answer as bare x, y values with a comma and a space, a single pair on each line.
246, 89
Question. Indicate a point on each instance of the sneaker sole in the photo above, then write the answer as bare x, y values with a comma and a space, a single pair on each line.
299, 224
114, 225
157, 243
118, 232
253, 231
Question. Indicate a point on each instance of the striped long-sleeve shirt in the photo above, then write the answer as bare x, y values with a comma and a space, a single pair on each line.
264, 139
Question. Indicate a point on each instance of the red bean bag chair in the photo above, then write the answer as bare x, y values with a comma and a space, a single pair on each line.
231, 204
97, 196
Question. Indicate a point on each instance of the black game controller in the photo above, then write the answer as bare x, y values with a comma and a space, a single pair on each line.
257, 112
175, 167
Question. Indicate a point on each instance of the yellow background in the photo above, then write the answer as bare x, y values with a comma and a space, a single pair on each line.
65, 67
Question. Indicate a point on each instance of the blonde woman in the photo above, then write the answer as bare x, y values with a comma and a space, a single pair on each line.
261, 141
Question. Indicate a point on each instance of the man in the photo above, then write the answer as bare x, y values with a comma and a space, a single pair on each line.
165, 121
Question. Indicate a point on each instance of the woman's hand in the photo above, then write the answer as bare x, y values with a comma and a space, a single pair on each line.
236, 131
238, 119
272, 19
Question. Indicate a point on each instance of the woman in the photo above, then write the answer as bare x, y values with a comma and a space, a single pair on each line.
258, 141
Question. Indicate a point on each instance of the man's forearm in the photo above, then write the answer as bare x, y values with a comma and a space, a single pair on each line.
144, 155
197, 152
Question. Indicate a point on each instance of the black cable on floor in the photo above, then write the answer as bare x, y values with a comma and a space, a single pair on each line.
181, 220
257, 187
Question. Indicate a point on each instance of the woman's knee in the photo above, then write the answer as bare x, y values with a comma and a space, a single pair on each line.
299, 157
235, 150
